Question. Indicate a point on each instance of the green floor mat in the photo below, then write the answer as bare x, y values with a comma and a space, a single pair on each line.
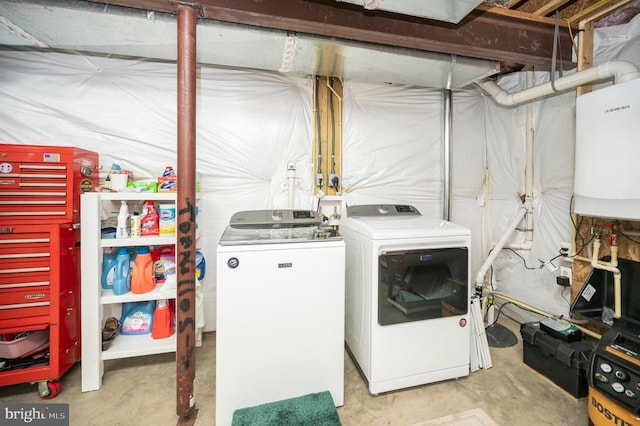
317, 409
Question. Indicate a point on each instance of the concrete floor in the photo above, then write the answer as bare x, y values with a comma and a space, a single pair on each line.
141, 391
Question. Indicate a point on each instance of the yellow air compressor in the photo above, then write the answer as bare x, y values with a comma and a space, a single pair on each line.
614, 377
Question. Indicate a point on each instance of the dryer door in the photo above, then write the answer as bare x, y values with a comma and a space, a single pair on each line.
415, 285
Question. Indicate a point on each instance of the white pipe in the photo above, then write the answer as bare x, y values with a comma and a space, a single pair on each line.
528, 175
541, 312
611, 267
496, 250
621, 71
291, 177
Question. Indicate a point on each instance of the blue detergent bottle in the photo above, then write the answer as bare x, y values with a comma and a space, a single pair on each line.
108, 269
121, 274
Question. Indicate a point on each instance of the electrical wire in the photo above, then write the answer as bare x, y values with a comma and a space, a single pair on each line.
573, 42
510, 317
577, 226
628, 237
498, 314
564, 297
523, 259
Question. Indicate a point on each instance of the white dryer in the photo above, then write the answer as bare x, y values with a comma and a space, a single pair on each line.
407, 318
280, 310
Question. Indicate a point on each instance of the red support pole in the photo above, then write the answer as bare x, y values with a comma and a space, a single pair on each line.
186, 213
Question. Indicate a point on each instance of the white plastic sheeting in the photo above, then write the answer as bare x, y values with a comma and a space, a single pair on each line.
392, 146
249, 126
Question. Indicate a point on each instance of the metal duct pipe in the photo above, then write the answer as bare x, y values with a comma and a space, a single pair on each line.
446, 193
621, 71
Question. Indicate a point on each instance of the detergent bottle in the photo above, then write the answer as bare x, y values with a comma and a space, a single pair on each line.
162, 320
137, 317
142, 274
108, 269
121, 276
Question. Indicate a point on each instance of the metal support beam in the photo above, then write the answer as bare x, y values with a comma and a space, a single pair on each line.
186, 214
447, 107
488, 33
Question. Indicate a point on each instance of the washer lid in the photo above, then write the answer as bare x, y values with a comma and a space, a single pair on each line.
276, 226
383, 227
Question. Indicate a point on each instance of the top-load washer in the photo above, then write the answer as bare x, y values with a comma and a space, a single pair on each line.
407, 319
280, 310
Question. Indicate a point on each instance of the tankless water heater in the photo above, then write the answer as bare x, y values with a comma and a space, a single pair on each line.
607, 156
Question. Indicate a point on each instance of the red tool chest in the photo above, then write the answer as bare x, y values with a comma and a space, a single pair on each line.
40, 189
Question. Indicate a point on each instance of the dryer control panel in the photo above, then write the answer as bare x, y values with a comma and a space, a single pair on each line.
382, 210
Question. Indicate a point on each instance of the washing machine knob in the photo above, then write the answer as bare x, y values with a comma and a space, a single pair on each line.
383, 209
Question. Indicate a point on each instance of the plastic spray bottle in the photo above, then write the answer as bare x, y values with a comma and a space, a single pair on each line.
122, 228
149, 222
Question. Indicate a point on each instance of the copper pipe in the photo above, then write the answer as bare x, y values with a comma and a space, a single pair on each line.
185, 213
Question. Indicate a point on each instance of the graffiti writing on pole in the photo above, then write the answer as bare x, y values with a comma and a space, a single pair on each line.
186, 263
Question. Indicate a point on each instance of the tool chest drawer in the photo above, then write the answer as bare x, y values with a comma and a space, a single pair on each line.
24, 303
44, 183
25, 271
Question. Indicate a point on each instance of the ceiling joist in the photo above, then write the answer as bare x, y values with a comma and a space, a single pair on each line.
487, 32
550, 7
597, 11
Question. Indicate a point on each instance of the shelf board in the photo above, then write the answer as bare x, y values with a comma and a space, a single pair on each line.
156, 240
129, 196
159, 293
125, 346
133, 196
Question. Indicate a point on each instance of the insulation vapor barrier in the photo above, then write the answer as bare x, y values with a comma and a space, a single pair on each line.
251, 124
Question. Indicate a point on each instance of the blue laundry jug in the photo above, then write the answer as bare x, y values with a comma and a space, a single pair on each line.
108, 269
137, 317
121, 273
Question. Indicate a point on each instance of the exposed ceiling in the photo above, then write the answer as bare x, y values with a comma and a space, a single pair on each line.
368, 40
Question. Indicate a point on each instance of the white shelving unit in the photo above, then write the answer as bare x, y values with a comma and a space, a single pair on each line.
99, 304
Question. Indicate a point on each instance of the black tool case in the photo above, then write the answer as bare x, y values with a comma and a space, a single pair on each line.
564, 363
